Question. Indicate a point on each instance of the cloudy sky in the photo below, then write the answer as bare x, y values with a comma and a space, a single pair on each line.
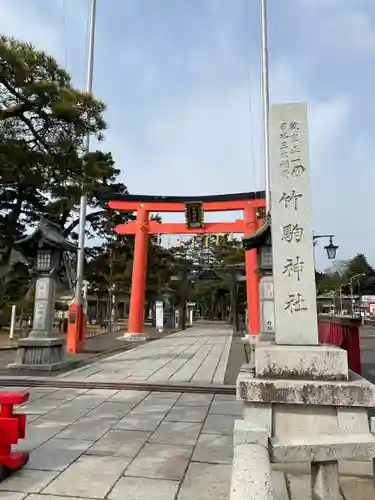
181, 80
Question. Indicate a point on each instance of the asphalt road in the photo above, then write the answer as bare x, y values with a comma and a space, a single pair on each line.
367, 337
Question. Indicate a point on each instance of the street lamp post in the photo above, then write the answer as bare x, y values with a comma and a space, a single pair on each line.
331, 249
76, 315
341, 303
356, 276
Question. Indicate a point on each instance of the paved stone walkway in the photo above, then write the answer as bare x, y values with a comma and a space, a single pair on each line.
199, 355
135, 445
126, 445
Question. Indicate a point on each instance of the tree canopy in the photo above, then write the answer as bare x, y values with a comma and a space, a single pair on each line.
44, 166
342, 273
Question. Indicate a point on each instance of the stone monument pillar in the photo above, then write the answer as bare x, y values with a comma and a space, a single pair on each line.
301, 401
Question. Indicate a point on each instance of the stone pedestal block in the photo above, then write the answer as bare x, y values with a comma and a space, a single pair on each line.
40, 354
321, 362
311, 407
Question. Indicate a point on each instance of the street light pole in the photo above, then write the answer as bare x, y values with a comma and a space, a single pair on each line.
331, 249
265, 102
359, 275
83, 201
341, 304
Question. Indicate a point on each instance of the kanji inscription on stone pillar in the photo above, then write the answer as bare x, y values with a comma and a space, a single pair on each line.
292, 234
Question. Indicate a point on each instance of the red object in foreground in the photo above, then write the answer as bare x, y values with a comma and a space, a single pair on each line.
344, 333
12, 428
76, 329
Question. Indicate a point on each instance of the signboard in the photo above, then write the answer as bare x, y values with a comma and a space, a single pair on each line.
291, 225
42, 288
159, 315
368, 298
266, 289
40, 315
194, 215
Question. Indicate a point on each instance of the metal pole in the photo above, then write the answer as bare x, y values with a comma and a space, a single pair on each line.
341, 306
361, 308
352, 297
12, 322
83, 202
110, 289
265, 99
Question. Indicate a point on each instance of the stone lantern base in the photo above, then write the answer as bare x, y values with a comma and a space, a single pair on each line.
40, 354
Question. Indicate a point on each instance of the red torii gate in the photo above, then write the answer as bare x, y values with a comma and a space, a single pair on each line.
142, 227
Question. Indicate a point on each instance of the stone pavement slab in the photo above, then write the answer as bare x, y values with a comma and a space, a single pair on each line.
219, 424
151, 451
141, 421
137, 488
119, 443
57, 454
198, 354
28, 481
89, 476
214, 449
12, 495
161, 461
206, 482
181, 413
50, 497
177, 433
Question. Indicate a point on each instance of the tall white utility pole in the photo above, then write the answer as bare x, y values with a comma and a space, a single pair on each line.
83, 203
265, 102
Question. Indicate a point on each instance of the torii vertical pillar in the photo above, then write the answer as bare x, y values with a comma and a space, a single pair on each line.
138, 286
252, 277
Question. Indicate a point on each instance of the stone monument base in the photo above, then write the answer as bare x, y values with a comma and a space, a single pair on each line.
40, 354
304, 406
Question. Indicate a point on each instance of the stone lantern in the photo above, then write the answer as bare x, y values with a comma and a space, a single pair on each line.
47, 251
261, 240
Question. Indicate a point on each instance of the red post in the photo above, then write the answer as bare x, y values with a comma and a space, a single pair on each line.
12, 429
252, 277
75, 335
137, 298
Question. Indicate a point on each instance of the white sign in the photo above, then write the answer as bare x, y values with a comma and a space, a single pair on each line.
266, 288
368, 298
159, 315
292, 234
42, 286
40, 315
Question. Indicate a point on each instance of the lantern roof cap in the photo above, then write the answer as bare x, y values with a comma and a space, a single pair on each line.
261, 237
48, 233
208, 274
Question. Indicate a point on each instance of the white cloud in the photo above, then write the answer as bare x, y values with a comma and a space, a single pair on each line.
21, 20
359, 30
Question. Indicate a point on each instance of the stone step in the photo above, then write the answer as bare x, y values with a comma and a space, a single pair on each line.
323, 447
